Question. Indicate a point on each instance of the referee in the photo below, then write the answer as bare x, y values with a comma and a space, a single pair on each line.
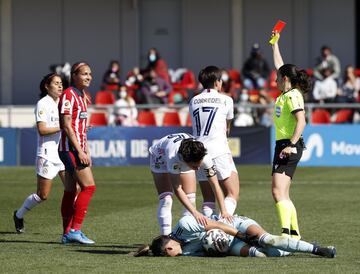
289, 121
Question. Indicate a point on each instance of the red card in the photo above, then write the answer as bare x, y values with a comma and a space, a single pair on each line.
279, 26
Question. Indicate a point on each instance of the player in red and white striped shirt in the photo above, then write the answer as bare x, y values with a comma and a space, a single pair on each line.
75, 154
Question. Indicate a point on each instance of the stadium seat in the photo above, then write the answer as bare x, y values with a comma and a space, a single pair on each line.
235, 77
343, 116
320, 116
98, 119
274, 93
171, 119
188, 120
146, 118
104, 97
187, 81
272, 79
310, 72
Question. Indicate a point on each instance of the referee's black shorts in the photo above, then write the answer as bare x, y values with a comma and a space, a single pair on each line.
287, 164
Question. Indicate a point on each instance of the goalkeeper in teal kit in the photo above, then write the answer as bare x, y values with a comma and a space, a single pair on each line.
245, 237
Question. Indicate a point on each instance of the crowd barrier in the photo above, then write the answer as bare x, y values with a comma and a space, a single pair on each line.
330, 145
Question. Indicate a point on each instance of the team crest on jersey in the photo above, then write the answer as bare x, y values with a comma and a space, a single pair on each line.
277, 111
41, 112
67, 105
83, 115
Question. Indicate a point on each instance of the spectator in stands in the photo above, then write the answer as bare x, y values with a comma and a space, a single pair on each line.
154, 89
155, 62
111, 77
325, 89
255, 70
228, 86
329, 61
125, 109
349, 88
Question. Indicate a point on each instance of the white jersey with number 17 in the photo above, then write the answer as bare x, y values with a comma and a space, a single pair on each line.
209, 112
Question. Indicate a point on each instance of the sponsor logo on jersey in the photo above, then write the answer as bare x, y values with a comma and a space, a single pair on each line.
83, 115
66, 105
278, 111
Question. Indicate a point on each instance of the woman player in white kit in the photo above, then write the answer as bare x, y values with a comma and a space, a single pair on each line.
48, 163
173, 160
211, 114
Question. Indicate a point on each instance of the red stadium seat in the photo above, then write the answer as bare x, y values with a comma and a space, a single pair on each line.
104, 97
310, 72
235, 77
188, 121
98, 119
146, 118
274, 93
320, 116
343, 116
272, 79
171, 119
187, 81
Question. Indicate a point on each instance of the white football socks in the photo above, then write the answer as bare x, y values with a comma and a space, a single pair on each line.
285, 243
192, 199
164, 212
208, 208
30, 202
230, 205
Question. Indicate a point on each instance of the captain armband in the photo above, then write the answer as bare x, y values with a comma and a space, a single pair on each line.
210, 172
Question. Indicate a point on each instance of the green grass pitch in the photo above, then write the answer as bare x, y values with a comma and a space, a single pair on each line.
122, 215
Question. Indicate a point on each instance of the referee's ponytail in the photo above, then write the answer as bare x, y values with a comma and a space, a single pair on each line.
298, 77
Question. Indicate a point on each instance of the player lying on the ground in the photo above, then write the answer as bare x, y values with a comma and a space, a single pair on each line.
245, 237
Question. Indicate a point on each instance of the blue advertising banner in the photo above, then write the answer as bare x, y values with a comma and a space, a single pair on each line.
112, 146
331, 145
129, 146
28, 143
8, 146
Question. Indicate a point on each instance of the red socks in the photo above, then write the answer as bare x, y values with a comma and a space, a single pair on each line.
81, 205
67, 209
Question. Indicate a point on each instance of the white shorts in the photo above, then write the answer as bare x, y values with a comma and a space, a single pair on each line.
158, 165
48, 169
224, 165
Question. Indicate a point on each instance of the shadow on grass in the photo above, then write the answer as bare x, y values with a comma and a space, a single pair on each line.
8, 232
27, 241
106, 252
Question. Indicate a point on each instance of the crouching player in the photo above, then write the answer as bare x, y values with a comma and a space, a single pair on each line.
173, 160
246, 238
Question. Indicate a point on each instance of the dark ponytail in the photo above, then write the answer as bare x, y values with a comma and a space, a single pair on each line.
298, 77
157, 247
46, 81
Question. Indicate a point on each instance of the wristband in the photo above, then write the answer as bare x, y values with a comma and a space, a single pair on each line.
291, 145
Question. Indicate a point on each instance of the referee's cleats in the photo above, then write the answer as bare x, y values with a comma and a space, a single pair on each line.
19, 223
76, 236
328, 252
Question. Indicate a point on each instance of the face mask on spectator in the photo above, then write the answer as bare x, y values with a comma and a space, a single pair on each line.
123, 94
244, 97
225, 77
152, 57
